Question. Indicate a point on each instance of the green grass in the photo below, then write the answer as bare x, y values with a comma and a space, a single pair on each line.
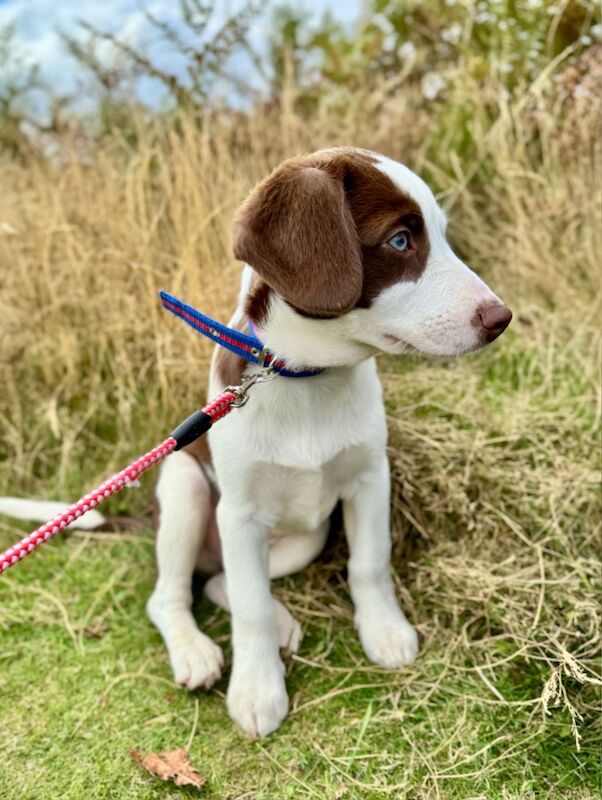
74, 705
495, 515
495, 460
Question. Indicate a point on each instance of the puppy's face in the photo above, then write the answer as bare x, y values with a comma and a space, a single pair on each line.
346, 233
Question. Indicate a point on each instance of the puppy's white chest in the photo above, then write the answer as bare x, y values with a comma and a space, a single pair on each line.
290, 499
299, 446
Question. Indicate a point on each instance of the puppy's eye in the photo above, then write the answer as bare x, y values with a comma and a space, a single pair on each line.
400, 242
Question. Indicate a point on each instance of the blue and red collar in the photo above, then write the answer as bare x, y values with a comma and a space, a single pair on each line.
250, 348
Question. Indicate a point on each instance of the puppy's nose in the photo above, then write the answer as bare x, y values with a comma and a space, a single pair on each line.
494, 319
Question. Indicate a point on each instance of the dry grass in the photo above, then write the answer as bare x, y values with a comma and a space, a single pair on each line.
496, 507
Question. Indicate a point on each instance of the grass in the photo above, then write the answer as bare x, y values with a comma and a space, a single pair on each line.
495, 457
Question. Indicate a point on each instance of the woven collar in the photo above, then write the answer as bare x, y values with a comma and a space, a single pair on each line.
248, 347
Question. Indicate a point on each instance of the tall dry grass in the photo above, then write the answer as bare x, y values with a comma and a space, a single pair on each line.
493, 457
87, 243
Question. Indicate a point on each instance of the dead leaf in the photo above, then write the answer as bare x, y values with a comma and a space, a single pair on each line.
96, 630
170, 765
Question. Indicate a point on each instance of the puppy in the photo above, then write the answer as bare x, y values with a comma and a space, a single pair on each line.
346, 257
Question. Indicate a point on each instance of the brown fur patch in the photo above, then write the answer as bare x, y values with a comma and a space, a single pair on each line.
303, 228
380, 211
297, 232
228, 366
199, 450
258, 300
201, 453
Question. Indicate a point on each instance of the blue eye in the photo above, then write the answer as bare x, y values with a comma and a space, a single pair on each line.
400, 241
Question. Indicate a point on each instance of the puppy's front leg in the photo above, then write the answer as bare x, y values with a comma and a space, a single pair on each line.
257, 698
184, 497
387, 637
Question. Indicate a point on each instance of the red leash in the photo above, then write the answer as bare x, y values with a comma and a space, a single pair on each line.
189, 430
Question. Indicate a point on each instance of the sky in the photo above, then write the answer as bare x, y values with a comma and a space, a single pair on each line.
38, 23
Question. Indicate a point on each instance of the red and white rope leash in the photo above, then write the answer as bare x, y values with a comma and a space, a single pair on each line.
196, 425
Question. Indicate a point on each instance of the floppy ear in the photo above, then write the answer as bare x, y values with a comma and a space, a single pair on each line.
296, 230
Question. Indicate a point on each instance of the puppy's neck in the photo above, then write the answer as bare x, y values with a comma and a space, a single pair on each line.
299, 340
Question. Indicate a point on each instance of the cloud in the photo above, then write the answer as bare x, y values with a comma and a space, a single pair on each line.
38, 25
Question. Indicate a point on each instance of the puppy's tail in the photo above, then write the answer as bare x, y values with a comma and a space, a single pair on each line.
45, 510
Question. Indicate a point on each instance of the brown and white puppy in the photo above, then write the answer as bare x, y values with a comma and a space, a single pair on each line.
346, 257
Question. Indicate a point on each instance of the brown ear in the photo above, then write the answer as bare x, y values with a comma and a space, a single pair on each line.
296, 230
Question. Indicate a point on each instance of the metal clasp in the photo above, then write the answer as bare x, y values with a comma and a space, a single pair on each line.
260, 355
241, 392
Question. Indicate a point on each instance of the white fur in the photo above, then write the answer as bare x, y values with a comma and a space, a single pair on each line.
434, 314
185, 499
44, 510
283, 461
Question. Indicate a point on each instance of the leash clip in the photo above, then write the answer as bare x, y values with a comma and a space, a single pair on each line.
260, 355
241, 392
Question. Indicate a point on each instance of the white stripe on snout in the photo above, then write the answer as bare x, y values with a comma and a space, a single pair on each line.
411, 184
434, 314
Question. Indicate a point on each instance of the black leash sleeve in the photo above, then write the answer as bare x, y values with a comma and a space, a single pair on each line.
191, 429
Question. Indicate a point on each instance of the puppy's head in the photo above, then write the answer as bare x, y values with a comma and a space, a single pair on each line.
350, 233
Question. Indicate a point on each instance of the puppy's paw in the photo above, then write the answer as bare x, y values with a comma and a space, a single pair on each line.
257, 699
289, 630
391, 643
196, 661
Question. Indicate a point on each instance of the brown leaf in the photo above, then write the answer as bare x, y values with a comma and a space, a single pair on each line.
170, 765
96, 630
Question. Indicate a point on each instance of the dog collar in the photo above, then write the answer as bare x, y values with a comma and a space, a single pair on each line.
251, 348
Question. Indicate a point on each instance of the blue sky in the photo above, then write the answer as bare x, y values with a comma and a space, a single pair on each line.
38, 23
